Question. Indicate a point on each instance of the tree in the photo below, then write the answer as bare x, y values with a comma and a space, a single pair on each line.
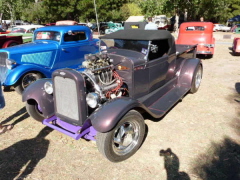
34, 12
130, 9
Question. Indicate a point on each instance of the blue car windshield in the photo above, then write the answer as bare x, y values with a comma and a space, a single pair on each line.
47, 35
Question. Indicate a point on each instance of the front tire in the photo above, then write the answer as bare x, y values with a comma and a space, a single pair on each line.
197, 78
34, 110
124, 140
26, 80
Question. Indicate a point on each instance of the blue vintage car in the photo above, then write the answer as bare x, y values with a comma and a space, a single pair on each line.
53, 47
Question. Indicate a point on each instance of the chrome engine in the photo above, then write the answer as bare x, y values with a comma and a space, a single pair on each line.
102, 81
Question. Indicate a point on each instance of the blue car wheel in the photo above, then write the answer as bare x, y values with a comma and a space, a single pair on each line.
26, 80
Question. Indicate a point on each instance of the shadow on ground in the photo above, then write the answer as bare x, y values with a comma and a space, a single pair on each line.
237, 87
20, 159
222, 160
172, 165
22, 113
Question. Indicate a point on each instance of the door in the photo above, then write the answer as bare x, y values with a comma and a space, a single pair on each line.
158, 64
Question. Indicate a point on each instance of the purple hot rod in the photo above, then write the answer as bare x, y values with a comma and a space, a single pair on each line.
141, 71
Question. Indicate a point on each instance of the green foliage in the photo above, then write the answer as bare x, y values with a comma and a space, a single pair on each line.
152, 7
130, 9
44, 11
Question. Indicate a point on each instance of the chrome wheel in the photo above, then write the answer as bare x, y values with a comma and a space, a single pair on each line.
198, 78
125, 138
28, 79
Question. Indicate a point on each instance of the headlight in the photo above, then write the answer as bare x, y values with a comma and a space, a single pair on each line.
48, 87
92, 99
10, 63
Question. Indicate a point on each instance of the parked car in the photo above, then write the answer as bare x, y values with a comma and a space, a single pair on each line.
237, 30
234, 28
135, 25
66, 22
8, 41
221, 27
162, 22
53, 47
217, 27
113, 27
200, 33
50, 24
26, 31
2, 31
225, 28
102, 27
236, 46
141, 72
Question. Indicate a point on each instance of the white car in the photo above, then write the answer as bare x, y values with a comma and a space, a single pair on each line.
226, 28
221, 27
26, 31
25, 28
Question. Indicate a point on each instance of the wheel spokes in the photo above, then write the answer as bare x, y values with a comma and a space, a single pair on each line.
198, 78
125, 136
28, 79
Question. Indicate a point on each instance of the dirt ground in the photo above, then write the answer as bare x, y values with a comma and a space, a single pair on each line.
202, 132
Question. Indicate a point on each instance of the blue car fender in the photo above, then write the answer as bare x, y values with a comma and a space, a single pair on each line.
36, 92
108, 115
16, 73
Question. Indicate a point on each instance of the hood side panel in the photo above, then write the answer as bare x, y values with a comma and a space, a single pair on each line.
43, 58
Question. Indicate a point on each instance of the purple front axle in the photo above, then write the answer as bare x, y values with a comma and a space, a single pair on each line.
70, 130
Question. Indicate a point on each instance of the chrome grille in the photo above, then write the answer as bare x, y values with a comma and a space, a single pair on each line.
65, 91
3, 67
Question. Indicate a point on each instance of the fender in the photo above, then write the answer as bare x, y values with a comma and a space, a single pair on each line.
35, 91
17, 72
187, 71
107, 116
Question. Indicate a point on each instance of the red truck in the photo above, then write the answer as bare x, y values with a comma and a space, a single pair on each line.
8, 41
236, 46
200, 33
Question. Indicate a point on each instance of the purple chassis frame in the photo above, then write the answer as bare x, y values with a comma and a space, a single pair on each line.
73, 131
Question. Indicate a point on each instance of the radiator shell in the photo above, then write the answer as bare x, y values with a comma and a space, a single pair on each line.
69, 96
3, 66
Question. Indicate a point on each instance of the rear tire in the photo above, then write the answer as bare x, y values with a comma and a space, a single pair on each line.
124, 139
34, 111
196, 81
25, 81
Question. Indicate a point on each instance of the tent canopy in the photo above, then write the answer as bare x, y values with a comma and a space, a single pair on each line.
235, 19
135, 19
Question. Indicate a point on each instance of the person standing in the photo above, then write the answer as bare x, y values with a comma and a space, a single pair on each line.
150, 25
4, 26
3, 128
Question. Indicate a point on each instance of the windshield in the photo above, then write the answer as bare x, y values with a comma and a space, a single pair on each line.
134, 45
47, 35
18, 30
195, 28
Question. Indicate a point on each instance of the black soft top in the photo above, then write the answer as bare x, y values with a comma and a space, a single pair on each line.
137, 34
